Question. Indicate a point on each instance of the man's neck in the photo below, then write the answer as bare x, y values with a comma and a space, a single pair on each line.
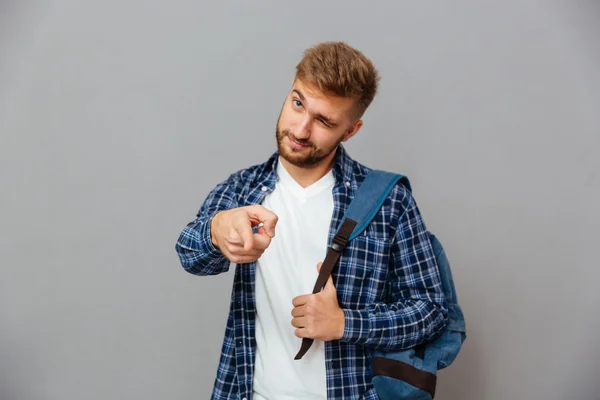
307, 176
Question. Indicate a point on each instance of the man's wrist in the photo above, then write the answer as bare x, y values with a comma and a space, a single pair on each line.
341, 324
213, 225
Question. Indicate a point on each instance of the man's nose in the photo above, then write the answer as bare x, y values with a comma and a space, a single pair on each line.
303, 131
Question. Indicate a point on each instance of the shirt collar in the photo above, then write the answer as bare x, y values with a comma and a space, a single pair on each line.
343, 166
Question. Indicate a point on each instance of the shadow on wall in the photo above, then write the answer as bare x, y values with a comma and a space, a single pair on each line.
582, 375
17, 360
464, 379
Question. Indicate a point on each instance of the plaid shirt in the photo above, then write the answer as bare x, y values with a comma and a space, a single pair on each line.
387, 281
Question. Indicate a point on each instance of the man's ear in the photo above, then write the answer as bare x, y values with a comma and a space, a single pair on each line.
353, 130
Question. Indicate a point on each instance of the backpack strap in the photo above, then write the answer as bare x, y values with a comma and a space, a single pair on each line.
366, 203
371, 195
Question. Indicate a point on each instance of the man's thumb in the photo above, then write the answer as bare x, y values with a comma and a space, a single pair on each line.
329, 283
268, 219
269, 226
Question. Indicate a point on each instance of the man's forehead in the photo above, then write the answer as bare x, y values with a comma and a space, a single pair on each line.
310, 91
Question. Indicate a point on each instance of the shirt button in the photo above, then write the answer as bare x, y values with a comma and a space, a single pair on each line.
347, 183
244, 398
264, 189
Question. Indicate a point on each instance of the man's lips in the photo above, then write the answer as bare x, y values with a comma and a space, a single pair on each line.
297, 145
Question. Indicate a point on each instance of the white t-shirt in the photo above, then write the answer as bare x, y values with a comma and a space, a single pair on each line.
288, 268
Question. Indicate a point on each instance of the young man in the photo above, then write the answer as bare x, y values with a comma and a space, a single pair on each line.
276, 220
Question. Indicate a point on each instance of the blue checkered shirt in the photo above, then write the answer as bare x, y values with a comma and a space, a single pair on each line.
387, 281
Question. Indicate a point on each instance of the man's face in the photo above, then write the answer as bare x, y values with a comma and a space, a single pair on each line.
312, 124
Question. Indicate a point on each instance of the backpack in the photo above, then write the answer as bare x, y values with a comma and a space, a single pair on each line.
407, 374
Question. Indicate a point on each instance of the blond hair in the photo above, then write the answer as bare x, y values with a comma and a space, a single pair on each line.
338, 69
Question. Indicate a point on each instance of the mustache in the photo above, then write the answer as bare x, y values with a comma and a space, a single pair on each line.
293, 137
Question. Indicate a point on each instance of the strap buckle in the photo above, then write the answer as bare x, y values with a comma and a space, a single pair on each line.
339, 243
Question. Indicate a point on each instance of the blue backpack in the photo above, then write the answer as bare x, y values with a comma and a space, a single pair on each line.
408, 374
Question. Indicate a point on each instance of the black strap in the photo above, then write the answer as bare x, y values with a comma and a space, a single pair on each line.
338, 244
420, 350
404, 372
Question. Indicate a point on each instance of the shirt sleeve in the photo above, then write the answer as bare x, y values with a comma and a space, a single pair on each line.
194, 247
416, 311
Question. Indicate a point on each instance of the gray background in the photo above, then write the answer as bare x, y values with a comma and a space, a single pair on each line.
118, 117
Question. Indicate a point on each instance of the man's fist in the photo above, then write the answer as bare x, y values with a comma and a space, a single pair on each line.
319, 316
231, 232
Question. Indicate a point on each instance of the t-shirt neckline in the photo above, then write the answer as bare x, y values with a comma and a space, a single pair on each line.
304, 193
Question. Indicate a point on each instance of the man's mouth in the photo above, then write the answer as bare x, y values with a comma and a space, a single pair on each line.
297, 145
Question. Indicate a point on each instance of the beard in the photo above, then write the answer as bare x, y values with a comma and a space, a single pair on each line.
302, 158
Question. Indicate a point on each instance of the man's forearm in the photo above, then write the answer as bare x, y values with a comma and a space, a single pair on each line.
196, 249
395, 326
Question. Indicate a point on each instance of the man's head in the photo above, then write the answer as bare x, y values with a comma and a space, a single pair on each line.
333, 86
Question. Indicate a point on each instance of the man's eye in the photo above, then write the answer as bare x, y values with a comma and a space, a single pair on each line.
297, 103
325, 123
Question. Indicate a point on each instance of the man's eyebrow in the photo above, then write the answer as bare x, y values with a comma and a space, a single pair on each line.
299, 94
326, 120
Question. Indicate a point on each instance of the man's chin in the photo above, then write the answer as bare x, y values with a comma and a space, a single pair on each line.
297, 160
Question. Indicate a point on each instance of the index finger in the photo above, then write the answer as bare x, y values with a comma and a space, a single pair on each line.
300, 300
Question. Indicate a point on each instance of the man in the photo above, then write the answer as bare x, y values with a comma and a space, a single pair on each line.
276, 220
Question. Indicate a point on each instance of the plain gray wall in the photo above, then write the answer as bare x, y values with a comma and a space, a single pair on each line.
118, 117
